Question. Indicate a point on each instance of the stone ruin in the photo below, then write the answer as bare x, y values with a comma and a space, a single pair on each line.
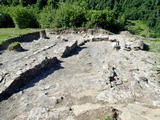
79, 74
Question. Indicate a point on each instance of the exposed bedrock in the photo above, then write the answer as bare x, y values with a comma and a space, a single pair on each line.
80, 75
25, 76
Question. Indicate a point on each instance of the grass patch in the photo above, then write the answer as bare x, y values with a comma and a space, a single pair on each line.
2, 41
126, 58
154, 45
107, 118
13, 45
156, 40
6, 33
138, 27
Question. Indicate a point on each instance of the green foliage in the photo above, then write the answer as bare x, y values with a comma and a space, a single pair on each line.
71, 13
27, 2
95, 18
53, 3
5, 20
6, 33
46, 17
69, 16
13, 45
126, 58
100, 18
138, 27
41, 3
108, 118
24, 17
2, 41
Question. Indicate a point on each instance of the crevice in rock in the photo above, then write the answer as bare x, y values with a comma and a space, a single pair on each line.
115, 115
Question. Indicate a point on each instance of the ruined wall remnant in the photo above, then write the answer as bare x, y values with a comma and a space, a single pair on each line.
24, 38
27, 76
69, 49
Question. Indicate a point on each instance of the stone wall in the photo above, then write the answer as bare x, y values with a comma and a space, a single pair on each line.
27, 76
24, 38
76, 31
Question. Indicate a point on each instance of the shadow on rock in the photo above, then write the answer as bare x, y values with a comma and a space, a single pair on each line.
30, 81
76, 51
43, 75
146, 47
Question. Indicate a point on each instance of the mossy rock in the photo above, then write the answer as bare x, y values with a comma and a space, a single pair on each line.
15, 46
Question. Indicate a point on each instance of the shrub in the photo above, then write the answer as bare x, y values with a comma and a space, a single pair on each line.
46, 17
53, 3
41, 3
5, 20
69, 16
154, 35
100, 18
95, 18
24, 17
137, 27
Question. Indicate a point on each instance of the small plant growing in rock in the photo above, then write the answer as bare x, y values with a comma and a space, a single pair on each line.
126, 58
2, 41
15, 46
107, 118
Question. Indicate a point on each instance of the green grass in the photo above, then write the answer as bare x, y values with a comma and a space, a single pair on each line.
2, 41
6, 33
138, 27
12, 45
126, 58
154, 44
107, 118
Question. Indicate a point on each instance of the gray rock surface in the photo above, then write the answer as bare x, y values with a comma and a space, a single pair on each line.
80, 76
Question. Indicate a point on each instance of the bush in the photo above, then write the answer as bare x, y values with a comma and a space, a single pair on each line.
69, 16
137, 27
46, 17
53, 3
5, 20
41, 3
24, 17
100, 18
95, 18
154, 35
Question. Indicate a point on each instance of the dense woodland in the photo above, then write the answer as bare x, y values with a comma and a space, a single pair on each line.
112, 15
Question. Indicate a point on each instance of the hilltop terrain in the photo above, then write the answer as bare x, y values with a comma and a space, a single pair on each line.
80, 75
